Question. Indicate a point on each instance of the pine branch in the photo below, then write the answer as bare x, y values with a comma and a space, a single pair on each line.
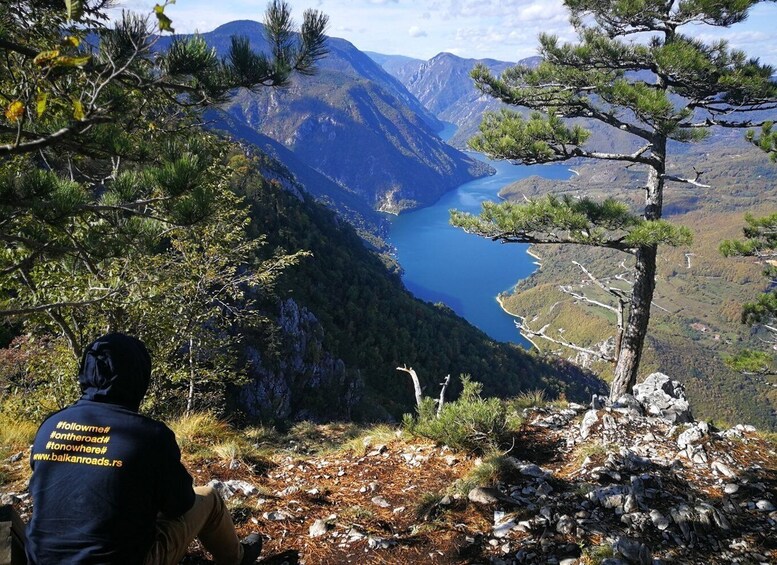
75, 128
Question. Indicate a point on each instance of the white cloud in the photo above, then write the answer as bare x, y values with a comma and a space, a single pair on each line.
500, 29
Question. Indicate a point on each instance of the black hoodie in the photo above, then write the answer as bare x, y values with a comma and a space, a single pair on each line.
101, 471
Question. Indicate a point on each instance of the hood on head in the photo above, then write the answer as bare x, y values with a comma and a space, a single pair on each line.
115, 368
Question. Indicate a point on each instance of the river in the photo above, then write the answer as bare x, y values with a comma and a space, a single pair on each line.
444, 264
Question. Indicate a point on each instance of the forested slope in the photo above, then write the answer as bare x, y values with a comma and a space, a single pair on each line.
372, 323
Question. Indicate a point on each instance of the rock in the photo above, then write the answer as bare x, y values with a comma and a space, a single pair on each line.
731, 488
377, 450
630, 504
566, 525
608, 497
277, 516
288, 491
692, 435
764, 506
590, 418
663, 397
696, 454
544, 489
318, 528
503, 528
354, 535
659, 520
598, 402
380, 501
627, 404
723, 469
484, 495
556, 420
531, 470
633, 551
380, 543
682, 515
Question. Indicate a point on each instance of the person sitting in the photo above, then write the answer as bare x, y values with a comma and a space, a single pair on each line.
108, 485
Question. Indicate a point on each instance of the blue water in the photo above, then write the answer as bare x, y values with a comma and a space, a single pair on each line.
444, 264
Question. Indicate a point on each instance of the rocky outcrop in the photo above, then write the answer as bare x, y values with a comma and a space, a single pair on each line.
611, 483
664, 397
305, 382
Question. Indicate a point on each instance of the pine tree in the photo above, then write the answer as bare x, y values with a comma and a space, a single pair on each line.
90, 190
669, 87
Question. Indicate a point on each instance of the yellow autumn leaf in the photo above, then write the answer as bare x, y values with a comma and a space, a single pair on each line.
78, 110
14, 111
40, 103
65, 61
45, 57
71, 40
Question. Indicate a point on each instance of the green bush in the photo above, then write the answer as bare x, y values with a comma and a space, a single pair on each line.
471, 423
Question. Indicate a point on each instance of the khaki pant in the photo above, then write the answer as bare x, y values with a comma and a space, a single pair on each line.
208, 520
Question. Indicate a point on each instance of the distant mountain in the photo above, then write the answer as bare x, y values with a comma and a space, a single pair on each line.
398, 66
444, 87
354, 124
368, 223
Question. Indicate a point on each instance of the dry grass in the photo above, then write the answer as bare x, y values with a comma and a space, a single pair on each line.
371, 438
530, 399
200, 430
493, 468
15, 433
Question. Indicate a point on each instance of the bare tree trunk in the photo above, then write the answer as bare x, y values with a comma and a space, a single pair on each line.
636, 327
190, 396
644, 283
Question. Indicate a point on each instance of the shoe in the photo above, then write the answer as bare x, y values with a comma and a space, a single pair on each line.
252, 547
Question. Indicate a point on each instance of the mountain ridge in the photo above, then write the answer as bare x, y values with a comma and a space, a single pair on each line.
355, 124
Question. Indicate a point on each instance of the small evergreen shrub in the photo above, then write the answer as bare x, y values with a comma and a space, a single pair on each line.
470, 423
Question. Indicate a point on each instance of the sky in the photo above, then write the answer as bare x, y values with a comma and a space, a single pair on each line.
500, 29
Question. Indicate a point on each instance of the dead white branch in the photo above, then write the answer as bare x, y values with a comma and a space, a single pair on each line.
694, 181
416, 383
527, 331
441, 402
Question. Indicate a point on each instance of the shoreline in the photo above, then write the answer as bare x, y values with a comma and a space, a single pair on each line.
531, 253
500, 300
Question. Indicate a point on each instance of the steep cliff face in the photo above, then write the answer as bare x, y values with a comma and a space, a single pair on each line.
304, 382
